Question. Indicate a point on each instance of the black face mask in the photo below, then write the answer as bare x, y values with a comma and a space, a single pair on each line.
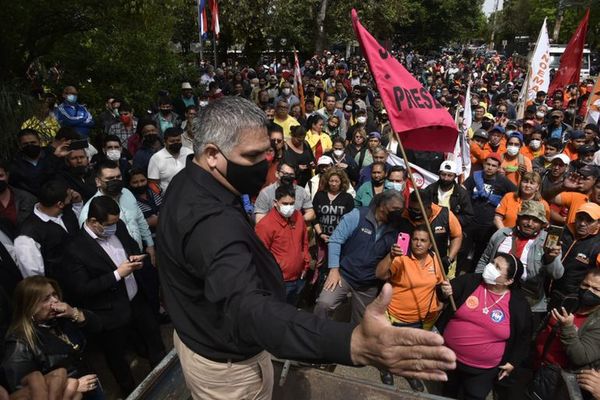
139, 189
149, 140
378, 183
79, 170
165, 112
114, 187
486, 125
31, 150
588, 299
246, 179
394, 217
3, 186
415, 216
175, 147
287, 180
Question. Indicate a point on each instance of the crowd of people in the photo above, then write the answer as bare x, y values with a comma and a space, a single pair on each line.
517, 237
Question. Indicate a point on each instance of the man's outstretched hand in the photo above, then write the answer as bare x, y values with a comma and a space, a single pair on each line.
408, 352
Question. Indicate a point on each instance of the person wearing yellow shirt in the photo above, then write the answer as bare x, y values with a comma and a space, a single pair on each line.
319, 141
283, 119
43, 121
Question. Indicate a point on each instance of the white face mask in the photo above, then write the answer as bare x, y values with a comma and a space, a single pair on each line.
286, 210
490, 274
535, 144
348, 107
539, 114
338, 153
399, 186
113, 155
203, 103
361, 120
286, 91
512, 150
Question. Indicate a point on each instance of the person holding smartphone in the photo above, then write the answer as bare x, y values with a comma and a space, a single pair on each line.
414, 277
105, 273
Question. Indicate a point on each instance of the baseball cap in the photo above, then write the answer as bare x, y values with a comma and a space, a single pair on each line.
325, 160
586, 148
375, 134
589, 170
516, 134
498, 128
533, 208
448, 166
488, 115
576, 134
591, 209
556, 112
186, 85
495, 156
481, 133
562, 157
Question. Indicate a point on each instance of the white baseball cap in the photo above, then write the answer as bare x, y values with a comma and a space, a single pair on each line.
186, 85
325, 160
448, 166
563, 157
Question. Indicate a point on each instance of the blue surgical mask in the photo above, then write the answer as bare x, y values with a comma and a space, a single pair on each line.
109, 230
72, 98
399, 186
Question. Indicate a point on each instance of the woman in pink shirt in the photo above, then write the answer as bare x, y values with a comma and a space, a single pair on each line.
487, 330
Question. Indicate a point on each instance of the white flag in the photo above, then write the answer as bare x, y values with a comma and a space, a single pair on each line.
539, 76
423, 178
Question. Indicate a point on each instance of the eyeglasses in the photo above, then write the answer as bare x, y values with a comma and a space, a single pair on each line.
276, 140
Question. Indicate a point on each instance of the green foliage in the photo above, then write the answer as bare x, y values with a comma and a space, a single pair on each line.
16, 107
525, 17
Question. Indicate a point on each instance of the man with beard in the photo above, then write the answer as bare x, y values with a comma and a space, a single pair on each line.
447, 193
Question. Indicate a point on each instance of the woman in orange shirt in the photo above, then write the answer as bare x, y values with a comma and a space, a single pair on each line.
510, 205
414, 278
514, 164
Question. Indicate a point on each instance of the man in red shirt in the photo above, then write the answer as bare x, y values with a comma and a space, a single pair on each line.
284, 234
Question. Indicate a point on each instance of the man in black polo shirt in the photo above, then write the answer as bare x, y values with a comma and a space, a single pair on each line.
224, 291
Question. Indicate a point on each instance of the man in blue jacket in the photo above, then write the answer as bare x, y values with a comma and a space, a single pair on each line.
71, 113
364, 236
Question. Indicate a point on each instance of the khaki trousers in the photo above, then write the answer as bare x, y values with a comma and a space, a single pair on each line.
251, 379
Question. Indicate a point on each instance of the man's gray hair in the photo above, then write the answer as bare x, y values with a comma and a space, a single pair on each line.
221, 123
386, 197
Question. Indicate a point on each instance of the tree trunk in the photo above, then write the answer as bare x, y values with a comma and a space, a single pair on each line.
320, 41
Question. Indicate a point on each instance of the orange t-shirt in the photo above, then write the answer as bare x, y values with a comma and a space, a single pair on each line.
571, 152
509, 207
511, 168
414, 291
528, 153
572, 200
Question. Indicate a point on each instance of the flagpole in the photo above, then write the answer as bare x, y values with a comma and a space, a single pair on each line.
426, 219
215, 49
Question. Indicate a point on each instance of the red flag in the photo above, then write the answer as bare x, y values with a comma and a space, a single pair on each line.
421, 122
570, 61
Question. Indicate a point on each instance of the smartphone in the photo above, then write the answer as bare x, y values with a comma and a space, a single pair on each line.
554, 235
140, 256
78, 144
403, 242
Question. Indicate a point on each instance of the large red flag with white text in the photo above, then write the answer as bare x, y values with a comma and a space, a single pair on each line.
570, 61
421, 122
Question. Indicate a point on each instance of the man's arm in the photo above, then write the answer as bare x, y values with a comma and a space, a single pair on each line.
455, 236
29, 256
253, 316
342, 232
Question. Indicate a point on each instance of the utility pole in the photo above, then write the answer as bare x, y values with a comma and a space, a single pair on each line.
494, 17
